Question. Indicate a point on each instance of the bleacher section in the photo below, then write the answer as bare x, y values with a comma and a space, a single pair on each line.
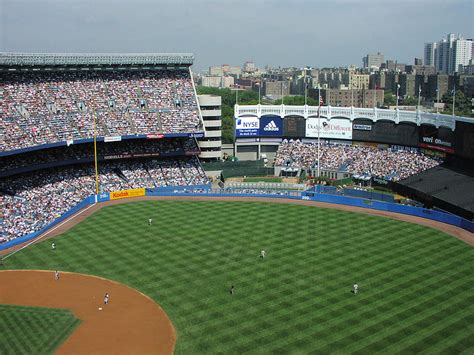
444, 188
390, 164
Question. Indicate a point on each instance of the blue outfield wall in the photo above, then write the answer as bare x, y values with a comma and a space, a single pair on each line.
394, 207
84, 203
204, 190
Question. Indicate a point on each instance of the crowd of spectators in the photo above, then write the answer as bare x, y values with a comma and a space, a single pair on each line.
32, 201
78, 153
40, 108
391, 164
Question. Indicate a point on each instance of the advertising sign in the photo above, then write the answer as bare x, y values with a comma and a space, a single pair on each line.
294, 127
362, 127
336, 128
155, 136
441, 138
112, 139
115, 195
248, 126
271, 126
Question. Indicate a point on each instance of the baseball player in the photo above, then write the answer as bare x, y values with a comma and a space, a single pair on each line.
355, 288
232, 290
53, 246
149, 221
56, 275
106, 298
262, 253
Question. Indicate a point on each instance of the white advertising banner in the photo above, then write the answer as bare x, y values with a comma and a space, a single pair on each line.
113, 139
337, 128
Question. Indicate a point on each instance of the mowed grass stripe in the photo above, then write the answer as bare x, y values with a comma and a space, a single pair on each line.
296, 300
34, 330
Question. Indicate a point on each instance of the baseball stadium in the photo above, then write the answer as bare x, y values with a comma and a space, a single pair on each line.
335, 230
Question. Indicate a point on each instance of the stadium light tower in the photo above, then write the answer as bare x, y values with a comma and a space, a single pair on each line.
419, 96
259, 88
398, 88
305, 89
454, 95
437, 99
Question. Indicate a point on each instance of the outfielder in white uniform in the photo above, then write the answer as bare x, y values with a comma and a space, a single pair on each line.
149, 221
262, 253
355, 288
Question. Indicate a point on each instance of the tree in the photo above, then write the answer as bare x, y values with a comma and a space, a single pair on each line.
389, 99
297, 100
462, 105
410, 101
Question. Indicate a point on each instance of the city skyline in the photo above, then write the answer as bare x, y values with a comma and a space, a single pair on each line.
267, 32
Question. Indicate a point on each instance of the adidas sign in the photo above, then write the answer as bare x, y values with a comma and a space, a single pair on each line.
271, 126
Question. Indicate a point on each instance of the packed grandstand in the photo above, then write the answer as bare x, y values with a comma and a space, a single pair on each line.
390, 164
144, 116
45, 107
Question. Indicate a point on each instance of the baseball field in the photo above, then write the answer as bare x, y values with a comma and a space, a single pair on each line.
415, 294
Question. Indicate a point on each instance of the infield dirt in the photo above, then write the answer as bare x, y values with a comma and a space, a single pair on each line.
131, 323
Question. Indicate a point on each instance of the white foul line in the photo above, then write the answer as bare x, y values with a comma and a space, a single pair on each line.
48, 231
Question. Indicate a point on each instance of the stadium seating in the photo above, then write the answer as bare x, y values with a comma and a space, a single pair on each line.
80, 153
41, 108
32, 201
367, 160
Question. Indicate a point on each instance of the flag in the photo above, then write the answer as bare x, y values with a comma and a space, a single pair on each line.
321, 101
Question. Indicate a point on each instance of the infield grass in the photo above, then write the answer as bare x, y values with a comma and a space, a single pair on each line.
34, 330
415, 284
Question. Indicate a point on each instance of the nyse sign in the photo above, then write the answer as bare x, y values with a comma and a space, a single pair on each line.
336, 128
247, 126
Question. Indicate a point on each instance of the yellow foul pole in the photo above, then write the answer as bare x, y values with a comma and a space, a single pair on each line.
95, 154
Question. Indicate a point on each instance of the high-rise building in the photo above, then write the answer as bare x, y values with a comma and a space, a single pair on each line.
462, 53
430, 53
358, 81
373, 61
249, 67
449, 54
276, 89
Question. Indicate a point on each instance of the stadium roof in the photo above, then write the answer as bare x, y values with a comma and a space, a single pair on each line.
54, 59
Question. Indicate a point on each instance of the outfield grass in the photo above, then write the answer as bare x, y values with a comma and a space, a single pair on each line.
34, 330
263, 179
416, 283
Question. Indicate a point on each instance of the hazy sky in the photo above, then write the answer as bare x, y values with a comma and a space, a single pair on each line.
276, 32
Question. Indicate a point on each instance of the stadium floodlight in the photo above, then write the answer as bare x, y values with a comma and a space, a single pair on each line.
398, 88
